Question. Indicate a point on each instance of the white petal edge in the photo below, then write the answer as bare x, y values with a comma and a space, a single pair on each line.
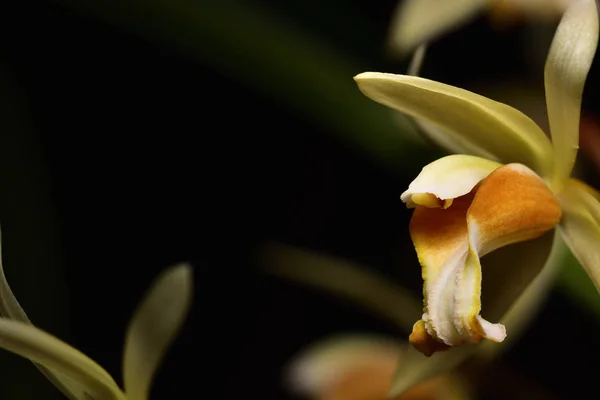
153, 328
494, 127
567, 66
449, 177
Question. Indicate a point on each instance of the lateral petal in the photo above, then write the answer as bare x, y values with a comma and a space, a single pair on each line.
580, 226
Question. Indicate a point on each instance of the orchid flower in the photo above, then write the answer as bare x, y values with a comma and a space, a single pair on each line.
414, 23
151, 331
510, 186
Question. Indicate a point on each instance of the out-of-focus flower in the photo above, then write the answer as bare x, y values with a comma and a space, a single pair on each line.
361, 367
151, 331
467, 206
419, 21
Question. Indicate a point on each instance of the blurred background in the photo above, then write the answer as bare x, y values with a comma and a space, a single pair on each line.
138, 134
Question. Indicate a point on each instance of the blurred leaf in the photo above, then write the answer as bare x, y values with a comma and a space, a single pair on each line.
267, 53
342, 278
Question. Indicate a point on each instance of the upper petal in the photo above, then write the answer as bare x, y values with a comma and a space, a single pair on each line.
447, 178
580, 226
567, 66
414, 22
494, 127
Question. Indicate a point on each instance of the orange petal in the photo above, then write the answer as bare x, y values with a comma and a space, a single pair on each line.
511, 205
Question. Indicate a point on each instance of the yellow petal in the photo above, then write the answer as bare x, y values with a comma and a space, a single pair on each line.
567, 66
511, 205
450, 141
153, 328
446, 179
494, 127
580, 227
44, 349
414, 22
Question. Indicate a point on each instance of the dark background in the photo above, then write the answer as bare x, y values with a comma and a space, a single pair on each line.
132, 139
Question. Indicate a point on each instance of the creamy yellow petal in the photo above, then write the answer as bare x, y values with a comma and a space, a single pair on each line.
446, 179
415, 22
451, 141
567, 66
494, 127
580, 227
44, 349
153, 328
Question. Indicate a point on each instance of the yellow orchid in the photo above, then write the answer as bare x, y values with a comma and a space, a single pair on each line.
151, 331
510, 185
414, 23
